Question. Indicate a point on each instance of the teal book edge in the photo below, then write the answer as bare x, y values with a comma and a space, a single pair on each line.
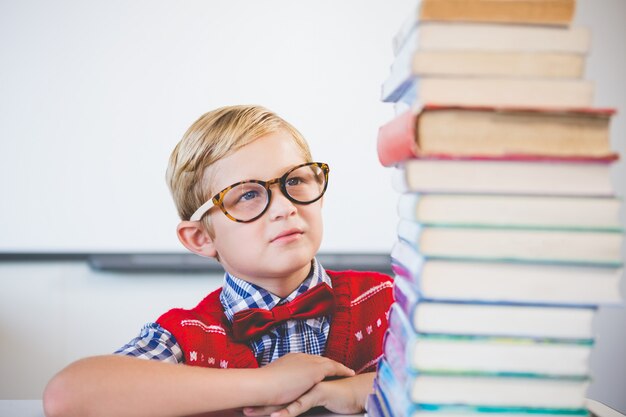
407, 262
402, 342
399, 322
410, 233
397, 394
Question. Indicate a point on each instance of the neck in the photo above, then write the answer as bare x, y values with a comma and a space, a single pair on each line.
284, 285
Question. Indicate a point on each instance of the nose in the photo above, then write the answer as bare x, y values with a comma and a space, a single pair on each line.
280, 205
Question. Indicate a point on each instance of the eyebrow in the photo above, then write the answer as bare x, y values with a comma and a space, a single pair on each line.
282, 172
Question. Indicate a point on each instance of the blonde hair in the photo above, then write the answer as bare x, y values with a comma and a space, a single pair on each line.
214, 136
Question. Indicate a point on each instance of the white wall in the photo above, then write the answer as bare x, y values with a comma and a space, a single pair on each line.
54, 313
96, 94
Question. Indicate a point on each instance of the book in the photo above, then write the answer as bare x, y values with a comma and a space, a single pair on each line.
512, 211
518, 283
490, 91
530, 56
495, 132
489, 319
536, 176
488, 355
545, 395
514, 244
517, 64
373, 406
390, 392
548, 12
445, 36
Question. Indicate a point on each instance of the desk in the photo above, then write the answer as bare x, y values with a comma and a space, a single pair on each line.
33, 408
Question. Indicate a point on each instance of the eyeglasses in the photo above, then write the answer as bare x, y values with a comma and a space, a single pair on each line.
246, 201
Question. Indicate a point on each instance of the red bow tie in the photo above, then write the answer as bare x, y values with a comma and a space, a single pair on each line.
316, 302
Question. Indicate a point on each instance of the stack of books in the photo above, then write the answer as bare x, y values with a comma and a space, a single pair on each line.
509, 235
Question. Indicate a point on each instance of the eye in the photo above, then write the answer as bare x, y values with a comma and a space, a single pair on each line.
294, 181
248, 196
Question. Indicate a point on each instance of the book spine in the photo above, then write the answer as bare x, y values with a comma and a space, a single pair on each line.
396, 394
396, 139
405, 296
407, 206
399, 180
407, 262
410, 232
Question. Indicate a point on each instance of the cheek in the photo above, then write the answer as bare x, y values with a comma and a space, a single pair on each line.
235, 238
314, 218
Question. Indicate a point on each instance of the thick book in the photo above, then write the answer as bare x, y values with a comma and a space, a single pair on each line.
504, 393
527, 176
443, 395
530, 12
514, 244
517, 283
513, 211
485, 355
490, 91
495, 132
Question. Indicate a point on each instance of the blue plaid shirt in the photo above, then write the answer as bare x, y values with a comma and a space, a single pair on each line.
306, 336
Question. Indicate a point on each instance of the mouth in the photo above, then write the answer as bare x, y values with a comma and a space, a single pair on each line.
287, 236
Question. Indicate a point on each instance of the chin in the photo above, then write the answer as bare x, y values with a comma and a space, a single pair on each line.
289, 263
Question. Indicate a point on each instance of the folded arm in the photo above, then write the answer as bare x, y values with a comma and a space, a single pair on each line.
343, 396
125, 386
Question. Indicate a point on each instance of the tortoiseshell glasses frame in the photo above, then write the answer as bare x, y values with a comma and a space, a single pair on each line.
246, 201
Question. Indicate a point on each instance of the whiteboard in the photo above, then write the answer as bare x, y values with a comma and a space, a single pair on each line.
94, 95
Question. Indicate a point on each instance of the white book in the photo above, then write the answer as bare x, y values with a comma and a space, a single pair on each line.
520, 245
489, 91
488, 319
597, 213
455, 279
489, 355
550, 178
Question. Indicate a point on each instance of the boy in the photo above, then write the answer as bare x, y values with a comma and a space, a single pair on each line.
250, 196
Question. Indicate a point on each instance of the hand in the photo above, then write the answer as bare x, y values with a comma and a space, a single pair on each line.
343, 396
296, 373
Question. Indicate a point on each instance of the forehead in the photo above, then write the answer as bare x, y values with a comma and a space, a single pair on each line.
267, 157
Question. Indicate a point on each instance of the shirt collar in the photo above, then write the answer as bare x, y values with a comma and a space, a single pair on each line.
238, 295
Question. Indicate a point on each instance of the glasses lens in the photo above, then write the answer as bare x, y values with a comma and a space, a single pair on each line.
245, 201
306, 184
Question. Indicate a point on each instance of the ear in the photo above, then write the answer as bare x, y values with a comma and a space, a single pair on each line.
194, 237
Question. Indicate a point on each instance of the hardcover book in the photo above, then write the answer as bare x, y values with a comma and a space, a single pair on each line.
495, 132
519, 283
544, 395
483, 355
521, 176
492, 319
512, 211
490, 91
514, 244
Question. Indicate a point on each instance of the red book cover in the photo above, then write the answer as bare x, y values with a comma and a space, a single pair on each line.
398, 140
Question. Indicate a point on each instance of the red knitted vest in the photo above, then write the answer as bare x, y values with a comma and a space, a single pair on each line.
355, 338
